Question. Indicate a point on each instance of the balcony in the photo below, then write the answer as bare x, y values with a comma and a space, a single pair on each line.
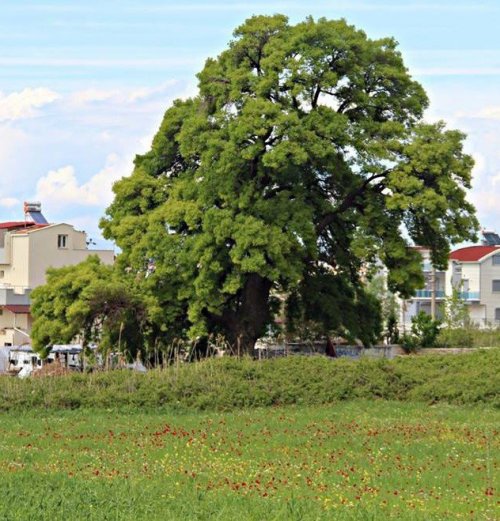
14, 296
427, 267
470, 295
464, 295
427, 293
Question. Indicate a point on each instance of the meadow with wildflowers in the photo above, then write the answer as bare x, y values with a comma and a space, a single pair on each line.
354, 460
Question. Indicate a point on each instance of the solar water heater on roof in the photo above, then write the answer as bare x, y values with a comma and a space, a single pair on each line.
33, 211
491, 239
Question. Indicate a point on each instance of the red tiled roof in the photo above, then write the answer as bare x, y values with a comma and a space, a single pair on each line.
30, 228
17, 308
15, 224
472, 253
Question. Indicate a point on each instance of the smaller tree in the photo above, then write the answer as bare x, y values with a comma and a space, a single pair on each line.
392, 330
458, 331
425, 329
456, 310
377, 287
91, 302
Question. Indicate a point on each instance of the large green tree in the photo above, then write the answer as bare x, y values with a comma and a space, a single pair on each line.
303, 158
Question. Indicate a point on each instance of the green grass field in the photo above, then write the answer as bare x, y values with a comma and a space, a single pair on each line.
359, 460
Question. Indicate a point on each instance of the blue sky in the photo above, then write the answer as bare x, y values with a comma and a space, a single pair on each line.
84, 85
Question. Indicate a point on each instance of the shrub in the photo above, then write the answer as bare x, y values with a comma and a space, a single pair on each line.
410, 343
225, 384
425, 329
459, 337
487, 338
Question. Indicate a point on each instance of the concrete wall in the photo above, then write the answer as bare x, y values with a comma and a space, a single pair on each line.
16, 274
472, 273
4, 359
8, 297
9, 320
4, 247
45, 252
490, 299
477, 313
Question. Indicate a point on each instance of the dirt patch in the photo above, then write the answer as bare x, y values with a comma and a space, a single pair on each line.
53, 369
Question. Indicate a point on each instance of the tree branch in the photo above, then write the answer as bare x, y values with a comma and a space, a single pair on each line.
314, 101
348, 202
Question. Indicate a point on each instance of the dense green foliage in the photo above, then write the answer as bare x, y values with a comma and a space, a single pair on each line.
91, 302
231, 383
424, 330
468, 337
459, 337
300, 160
356, 461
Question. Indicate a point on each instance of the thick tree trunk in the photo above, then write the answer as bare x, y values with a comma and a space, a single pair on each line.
244, 326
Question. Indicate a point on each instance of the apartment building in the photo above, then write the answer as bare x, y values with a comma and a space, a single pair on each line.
474, 271
27, 249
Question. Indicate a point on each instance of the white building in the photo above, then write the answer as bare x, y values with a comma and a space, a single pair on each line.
474, 271
27, 249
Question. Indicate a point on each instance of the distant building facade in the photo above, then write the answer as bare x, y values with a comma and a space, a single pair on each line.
27, 249
474, 271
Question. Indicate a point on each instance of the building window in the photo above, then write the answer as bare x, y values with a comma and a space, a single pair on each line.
497, 314
62, 241
496, 259
495, 286
2, 274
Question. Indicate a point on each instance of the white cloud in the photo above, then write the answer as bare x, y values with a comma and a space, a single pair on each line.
9, 202
489, 113
11, 140
148, 92
23, 104
495, 180
92, 95
485, 183
14, 143
69, 157
479, 170
120, 96
60, 188
486, 202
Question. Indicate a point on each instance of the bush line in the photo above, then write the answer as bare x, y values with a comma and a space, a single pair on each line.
229, 383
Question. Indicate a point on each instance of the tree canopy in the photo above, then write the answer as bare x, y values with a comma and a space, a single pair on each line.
303, 158
88, 301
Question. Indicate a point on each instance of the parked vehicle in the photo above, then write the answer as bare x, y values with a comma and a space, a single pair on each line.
23, 361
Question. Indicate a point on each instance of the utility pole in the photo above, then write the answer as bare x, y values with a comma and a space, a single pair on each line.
433, 293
